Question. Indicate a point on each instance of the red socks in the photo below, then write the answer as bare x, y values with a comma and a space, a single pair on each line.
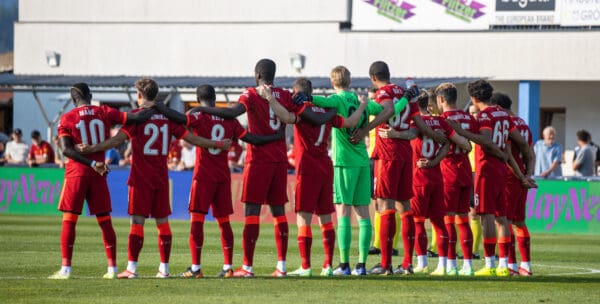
328, 233
421, 236
196, 236
164, 242
249, 237
386, 236
441, 235
281, 236
136, 241
451, 229
408, 237
523, 240
110, 239
304, 244
512, 255
226, 239
466, 236
67, 237
503, 246
489, 247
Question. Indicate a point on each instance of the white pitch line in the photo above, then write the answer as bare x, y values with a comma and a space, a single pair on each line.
588, 270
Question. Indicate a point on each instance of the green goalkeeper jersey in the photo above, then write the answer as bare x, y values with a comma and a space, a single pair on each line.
346, 154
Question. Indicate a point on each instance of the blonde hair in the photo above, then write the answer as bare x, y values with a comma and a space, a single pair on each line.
340, 77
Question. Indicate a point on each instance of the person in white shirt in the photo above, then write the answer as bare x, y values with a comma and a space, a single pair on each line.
16, 150
188, 156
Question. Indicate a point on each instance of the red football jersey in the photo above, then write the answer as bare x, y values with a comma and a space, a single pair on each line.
88, 125
263, 121
425, 147
211, 164
310, 144
456, 167
394, 149
150, 148
524, 130
500, 123
38, 152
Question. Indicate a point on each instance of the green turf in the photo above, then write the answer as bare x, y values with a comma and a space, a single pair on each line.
30, 252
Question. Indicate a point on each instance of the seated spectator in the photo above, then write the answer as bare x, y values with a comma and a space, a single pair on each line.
126, 160
41, 151
174, 155
16, 150
188, 156
112, 157
233, 157
585, 158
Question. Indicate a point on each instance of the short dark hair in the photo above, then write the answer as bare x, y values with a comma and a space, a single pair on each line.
480, 89
206, 93
36, 134
380, 70
423, 100
81, 91
584, 136
265, 71
303, 85
448, 91
147, 87
501, 100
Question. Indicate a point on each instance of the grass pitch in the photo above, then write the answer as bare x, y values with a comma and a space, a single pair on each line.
566, 269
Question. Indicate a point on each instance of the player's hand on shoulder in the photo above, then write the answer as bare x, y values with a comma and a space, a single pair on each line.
264, 91
363, 99
148, 104
411, 92
300, 98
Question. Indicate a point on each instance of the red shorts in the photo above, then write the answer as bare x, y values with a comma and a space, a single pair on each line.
265, 183
149, 202
314, 194
489, 197
457, 199
205, 195
516, 199
93, 189
393, 179
428, 201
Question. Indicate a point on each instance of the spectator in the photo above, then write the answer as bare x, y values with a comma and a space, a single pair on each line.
548, 155
59, 157
16, 150
233, 157
188, 156
112, 157
41, 151
174, 155
126, 160
583, 165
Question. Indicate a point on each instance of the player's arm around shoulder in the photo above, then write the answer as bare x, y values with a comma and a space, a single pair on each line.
207, 143
108, 144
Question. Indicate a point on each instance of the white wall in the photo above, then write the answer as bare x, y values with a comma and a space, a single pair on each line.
182, 10
232, 49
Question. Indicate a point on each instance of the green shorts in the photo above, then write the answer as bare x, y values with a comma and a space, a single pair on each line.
352, 186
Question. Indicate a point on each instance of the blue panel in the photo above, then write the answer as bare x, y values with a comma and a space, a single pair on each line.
180, 193
529, 105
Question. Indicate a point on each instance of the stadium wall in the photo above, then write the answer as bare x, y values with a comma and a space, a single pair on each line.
554, 207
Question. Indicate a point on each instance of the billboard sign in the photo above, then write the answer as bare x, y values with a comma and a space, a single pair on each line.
579, 12
526, 12
419, 15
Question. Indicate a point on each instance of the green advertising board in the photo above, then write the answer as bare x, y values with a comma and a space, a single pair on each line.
30, 190
558, 206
